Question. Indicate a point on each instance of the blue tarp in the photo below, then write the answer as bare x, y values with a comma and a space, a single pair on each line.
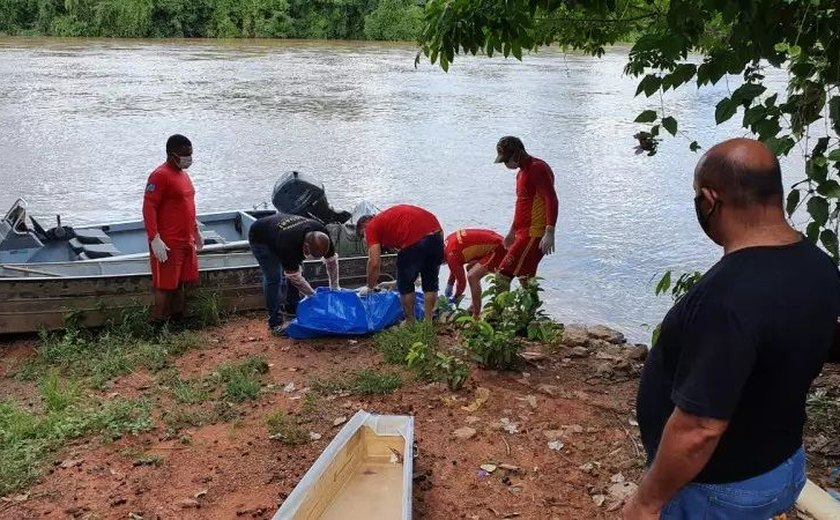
344, 312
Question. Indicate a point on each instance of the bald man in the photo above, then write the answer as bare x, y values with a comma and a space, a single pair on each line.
280, 243
721, 402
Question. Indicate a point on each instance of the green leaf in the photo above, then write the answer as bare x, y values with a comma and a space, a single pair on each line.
664, 283
670, 124
792, 201
648, 116
829, 241
517, 51
818, 209
724, 110
834, 155
654, 130
781, 47
694, 146
747, 92
780, 146
834, 113
812, 232
816, 172
795, 51
649, 85
829, 189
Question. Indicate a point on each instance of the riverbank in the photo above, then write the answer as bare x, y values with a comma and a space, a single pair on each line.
223, 423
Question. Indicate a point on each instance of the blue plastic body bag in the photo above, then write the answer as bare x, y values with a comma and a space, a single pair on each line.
344, 312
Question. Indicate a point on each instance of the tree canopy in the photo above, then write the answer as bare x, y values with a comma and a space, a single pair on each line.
683, 42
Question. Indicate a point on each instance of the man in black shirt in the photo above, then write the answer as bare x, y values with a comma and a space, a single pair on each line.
721, 403
280, 243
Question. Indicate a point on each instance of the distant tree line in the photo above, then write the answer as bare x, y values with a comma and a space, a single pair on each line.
315, 19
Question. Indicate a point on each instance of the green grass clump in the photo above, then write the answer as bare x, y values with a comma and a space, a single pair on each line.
29, 438
242, 381
285, 428
395, 343
364, 382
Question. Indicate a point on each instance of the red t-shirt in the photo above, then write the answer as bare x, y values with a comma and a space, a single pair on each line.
169, 206
536, 200
465, 246
400, 226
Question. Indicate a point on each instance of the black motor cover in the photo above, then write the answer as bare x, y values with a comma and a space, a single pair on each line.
303, 195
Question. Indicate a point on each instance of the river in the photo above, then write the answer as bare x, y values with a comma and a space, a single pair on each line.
84, 122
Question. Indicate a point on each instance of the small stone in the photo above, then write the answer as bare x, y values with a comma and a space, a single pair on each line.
555, 445
552, 435
621, 491
314, 436
339, 421
633, 422
587, 468
508, 426
579, 352
252, 338
201, 493
464, 433
118, 502
575, 335
606, 334
489, 468
71, 463
289, 388
617, 478
189, 503
515, 489
551, 390
637, 352
532, 401
599, 500
472, 419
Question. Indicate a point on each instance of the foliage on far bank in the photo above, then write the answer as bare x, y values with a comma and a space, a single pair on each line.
317, 19
692, 44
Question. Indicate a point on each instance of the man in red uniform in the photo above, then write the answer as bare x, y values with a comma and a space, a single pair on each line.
418, 236
481, 250
531, 235
174, 237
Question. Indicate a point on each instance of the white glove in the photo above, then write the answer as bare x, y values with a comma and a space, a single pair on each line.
386, 286
448, 292
159, 249
363, 290
199, 240
547, 242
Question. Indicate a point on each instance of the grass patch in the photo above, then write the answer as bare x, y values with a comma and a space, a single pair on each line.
285, 428
823, 412
99, 356
395, 343
29, 439
205, 308
364, 382
242, 381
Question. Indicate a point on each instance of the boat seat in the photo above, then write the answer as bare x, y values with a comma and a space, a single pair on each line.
212, 237
95, 251
92, 236
76, 245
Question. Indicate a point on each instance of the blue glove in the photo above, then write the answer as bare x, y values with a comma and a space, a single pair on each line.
448, 292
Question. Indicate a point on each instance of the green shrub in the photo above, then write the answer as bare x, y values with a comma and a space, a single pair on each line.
285, 428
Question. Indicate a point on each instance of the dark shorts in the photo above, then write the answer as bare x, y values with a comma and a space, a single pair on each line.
421, 259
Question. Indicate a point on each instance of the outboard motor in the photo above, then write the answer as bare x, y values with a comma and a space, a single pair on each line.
303, 195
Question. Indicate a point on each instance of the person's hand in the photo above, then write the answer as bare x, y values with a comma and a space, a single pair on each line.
159, 249
508, 241
474, 311
199, 241
448, 292
363, 290
634, 510
547, 242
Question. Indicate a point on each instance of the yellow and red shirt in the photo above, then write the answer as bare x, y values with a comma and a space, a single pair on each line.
536, 199
471, 245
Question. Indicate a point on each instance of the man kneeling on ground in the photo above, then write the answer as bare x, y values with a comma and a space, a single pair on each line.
280, 243
418, 236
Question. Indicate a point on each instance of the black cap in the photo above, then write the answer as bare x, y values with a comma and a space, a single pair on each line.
507, 146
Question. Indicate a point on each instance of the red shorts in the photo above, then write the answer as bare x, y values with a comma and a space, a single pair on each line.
522, 258
493, 259
181, 267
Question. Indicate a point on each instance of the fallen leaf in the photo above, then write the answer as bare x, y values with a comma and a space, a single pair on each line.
599, 500
617, 478
71, 463
481, 396
314, 436
489, 468
289, 388
621, 491
587, 468
515, 489
509, 426
464, 433
339, 421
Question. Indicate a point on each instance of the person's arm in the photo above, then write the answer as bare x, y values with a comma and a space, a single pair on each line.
374, 264
544, 184
296, 278
199, 239
456, 270
686, 447
331, 263
155, 188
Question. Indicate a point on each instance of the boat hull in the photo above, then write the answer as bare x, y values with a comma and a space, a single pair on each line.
33, 301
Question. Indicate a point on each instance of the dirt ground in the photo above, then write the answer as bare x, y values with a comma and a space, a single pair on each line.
583, 402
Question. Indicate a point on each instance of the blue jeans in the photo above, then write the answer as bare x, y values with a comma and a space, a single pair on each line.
273, 282
757, 498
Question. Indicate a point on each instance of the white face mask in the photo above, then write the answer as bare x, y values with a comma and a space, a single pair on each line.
185, 161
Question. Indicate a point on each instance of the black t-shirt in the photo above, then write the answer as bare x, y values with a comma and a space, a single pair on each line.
744, 345
284, 234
